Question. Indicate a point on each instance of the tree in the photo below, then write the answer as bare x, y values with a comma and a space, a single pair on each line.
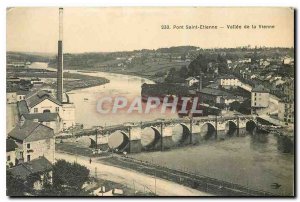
69, 174
198, 65
171, 75
183, 72
234, 106
15, 186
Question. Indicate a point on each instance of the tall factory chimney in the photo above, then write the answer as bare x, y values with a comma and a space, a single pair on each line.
60, 60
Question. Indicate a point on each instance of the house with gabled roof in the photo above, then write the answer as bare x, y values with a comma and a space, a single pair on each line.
46, 109
34, 140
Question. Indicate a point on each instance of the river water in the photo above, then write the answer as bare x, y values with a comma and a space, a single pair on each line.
243, 160
126, 86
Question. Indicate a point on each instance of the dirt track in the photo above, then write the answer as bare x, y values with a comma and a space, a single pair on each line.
132, 179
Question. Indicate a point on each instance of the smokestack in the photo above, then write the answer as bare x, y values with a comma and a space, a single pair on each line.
60, 61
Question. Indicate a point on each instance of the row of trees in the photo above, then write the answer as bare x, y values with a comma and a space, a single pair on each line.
207, 64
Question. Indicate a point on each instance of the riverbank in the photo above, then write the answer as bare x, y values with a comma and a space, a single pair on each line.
72, 81
120, 71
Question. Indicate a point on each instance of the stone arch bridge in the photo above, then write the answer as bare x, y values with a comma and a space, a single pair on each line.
165, 134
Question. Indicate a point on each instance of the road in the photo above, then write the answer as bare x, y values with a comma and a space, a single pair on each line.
133, 179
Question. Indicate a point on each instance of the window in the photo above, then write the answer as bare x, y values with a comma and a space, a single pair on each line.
8, 158
28, 157
57, 109
28, 146
20, 97
254, 94
254, 103
35, 110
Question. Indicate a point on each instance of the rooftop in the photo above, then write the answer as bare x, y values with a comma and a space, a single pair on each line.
22, 107
38, 165
227, 77
10, 145
42, 117
31, 131
215, 92
190, 78
34, 98
260, 89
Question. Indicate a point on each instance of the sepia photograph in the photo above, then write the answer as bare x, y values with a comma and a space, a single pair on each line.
150, 101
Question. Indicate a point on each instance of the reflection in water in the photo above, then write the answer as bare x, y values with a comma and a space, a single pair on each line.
258, 141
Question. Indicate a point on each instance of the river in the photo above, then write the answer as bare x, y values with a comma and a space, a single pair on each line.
127, 86
243, 160
85, 100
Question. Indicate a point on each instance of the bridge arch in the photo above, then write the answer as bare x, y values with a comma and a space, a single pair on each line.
149, 137
118, 140
230, 128
250, 126
180, 133
207, 130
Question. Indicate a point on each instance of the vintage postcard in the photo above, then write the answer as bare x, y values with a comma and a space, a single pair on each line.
150, 101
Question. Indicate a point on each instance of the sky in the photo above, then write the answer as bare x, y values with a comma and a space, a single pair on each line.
134, 28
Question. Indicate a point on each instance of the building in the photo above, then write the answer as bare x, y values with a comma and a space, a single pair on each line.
191, 81
286, 111
228, 99
11, 97
286, 106
13, 79
288, 61
214, 96
44, 106
11, 151
288, 89
34, 140
259, 97
36, 81
29, 170
229, 81
21, 95
52, 120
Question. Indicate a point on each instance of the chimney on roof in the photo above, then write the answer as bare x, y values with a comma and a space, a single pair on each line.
60, 62
22, 121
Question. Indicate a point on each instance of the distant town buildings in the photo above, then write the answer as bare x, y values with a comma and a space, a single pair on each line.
229, 81
191, 81
288, 61
18, 64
